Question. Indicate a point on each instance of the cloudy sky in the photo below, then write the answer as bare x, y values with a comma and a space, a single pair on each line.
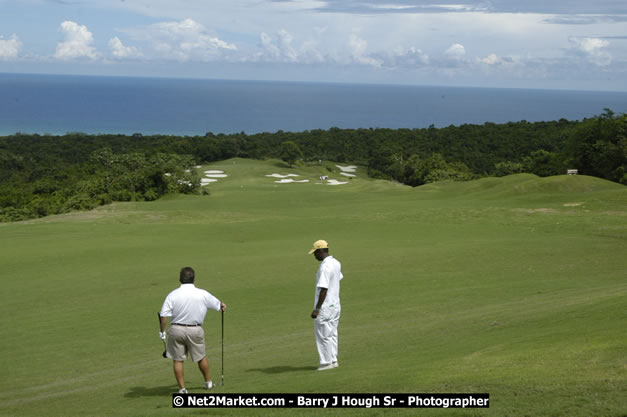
576, 44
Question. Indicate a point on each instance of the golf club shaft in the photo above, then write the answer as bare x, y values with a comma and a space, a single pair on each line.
222, 380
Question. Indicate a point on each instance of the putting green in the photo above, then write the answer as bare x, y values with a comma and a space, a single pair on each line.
513, 286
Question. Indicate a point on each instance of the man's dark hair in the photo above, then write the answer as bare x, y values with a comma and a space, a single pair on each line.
187, 275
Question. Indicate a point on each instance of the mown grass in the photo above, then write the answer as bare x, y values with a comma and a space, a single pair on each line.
513, 286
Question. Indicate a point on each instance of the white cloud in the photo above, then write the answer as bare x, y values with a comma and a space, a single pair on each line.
456, 51
500, 6
10, 48
390, 6
358, 48
183, 40
268, 47
592, 45
119, 50
285, 49
412, 58
491, 59
593, 49
415, 41
279, 50
285, 45
512, 65
310, 53
77, 43
417, 56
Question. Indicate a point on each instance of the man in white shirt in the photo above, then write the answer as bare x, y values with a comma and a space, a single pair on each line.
186, 306
327, 307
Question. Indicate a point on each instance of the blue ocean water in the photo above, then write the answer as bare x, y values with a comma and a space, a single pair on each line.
59, 104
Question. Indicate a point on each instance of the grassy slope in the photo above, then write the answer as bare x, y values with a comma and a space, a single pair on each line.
512, 286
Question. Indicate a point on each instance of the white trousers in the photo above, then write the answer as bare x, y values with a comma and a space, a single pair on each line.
325, 328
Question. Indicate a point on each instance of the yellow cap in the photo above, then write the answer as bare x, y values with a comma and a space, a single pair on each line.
319, 244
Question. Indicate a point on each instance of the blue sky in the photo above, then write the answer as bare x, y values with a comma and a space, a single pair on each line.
499, 43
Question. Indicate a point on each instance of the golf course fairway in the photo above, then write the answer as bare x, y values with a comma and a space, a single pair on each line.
513, 286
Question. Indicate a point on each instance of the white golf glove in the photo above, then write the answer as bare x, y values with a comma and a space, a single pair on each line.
162, 336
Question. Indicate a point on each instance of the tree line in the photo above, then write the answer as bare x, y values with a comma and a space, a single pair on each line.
45, 174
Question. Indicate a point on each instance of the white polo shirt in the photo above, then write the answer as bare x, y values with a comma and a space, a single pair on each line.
329, 276
188, 305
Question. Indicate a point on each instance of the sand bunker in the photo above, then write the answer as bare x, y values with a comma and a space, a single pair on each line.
282, 176
347, 171
211, 175
349, 168
285, 181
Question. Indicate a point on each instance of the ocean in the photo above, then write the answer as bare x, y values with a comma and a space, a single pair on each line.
56, 104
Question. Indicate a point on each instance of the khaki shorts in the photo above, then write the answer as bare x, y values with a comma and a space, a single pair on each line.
183, 340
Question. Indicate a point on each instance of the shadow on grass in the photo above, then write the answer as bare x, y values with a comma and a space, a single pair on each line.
282, 369
137, 392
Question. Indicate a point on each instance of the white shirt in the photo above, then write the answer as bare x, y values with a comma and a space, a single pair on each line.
329, 276
188, 305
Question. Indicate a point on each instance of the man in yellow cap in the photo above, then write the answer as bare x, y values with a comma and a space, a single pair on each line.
327, 307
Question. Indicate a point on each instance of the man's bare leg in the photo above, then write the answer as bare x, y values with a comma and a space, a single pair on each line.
179, 372
203, 365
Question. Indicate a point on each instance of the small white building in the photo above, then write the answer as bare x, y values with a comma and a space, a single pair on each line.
571, 172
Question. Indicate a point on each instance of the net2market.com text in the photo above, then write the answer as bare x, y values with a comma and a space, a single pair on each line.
330, 400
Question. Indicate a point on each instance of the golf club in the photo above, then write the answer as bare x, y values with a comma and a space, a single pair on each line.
164, 354
222, 378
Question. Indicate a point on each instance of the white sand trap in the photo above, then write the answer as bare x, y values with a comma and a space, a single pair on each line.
214, 171
285, 181
198, 166
216, 175
282, 176
346, 174
336, 182
206, 181
350, 168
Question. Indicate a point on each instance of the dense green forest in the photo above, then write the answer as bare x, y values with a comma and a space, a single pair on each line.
44, 174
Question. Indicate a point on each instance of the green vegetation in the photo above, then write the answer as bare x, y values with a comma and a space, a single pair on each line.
291, 153
43, 175
513, 286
